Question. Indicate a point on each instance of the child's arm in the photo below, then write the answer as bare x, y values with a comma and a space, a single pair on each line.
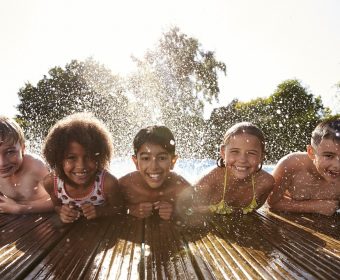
113, 200
324, 207
282, 175
10, 206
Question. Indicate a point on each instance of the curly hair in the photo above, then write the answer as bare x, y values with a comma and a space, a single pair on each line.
10, 131
84, 129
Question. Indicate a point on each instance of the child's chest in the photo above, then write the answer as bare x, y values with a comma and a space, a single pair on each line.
239, 196
143, 194
20, 189
306, 186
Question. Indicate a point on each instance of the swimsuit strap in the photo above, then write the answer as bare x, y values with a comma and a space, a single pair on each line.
222, 207
253, 204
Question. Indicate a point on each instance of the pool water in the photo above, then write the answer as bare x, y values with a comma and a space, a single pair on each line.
190, 169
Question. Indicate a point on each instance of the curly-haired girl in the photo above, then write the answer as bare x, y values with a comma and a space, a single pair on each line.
78, 148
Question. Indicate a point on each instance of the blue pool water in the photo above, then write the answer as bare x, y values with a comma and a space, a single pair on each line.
190, 169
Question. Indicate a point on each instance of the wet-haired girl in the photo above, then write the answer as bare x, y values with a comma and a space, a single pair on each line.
78, 148
238, 184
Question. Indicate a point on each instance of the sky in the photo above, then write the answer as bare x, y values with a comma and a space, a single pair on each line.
262, 42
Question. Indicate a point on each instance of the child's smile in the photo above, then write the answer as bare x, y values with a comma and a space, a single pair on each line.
11, 157
78, 166
243, 155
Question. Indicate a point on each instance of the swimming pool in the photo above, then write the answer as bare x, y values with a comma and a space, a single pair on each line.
190, 169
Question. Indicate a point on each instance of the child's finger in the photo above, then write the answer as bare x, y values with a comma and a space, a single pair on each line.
156, 204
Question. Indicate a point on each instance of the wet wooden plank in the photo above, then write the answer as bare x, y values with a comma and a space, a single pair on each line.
24, 243
258, 246
100, 249
166, 254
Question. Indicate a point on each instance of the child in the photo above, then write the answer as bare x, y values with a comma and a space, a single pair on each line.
238, 184
310, 181
21, 190
154, 186
79, 149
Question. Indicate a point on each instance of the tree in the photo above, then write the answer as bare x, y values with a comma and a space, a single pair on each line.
287, 118
81, 86
172, 84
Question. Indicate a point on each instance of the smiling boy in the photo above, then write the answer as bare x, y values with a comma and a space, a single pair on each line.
309, 182
20, 174
153, 186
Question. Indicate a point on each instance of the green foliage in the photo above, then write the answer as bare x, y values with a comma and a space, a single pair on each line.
287, 118
81, 86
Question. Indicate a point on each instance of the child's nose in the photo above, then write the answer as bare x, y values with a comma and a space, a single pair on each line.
154, 163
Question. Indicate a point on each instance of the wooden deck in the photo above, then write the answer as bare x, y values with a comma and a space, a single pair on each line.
263, 245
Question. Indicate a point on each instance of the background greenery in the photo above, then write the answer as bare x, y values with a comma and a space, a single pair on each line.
172, 85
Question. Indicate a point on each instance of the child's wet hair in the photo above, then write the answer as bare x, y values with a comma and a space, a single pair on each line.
327, 129
84, 129
156, 134
10, 131
240, 128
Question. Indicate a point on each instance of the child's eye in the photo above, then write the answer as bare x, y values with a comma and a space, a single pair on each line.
328, 156
70, 157
11, 152
162, 158
145, 158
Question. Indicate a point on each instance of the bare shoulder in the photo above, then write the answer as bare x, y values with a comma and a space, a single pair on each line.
211, 177
293, 162
35, 164
48, 182
265, 179
129, 178
110, 179
178, 180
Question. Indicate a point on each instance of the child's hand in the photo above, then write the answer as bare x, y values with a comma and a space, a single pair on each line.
89, 211
68, 214
8, 205
165, 209
141, 210
329, 207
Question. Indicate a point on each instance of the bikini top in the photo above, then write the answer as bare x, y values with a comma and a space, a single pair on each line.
223, 208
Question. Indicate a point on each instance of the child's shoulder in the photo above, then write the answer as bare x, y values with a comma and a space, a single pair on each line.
34, 162
178, 179
129, 177
294, 160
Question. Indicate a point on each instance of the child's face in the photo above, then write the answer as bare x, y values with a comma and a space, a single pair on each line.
243, 155
326, 158
11, 158
154, 164
78, 165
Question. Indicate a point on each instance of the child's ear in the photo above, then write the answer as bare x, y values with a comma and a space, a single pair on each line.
222, 151
173, 161
135, 161
310, 152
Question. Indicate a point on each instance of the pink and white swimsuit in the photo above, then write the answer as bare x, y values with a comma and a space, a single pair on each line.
95, 196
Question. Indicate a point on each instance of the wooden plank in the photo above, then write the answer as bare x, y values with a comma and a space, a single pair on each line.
165, 254
119, 253
24, 243
100, 249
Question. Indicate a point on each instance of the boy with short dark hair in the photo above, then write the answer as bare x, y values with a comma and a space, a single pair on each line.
309, 182
21, 190
153, 186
